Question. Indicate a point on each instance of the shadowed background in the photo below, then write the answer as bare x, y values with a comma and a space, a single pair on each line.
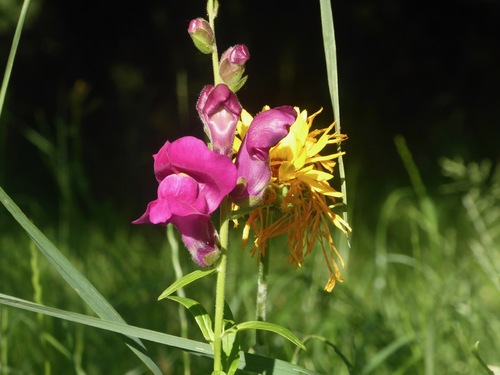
97, 88
428, 74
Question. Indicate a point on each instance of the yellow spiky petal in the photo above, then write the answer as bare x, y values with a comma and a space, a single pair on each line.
300, 198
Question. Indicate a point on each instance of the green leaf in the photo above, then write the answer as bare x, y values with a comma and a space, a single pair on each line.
248, 362
330, 47
230, 343
113, 326
185, 280
74, 278
266, 326
200, 315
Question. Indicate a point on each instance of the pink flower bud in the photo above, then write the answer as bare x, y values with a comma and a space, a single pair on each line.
202, 34
232, 66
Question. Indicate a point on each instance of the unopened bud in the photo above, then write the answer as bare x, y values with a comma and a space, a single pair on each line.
232, 66
202, 34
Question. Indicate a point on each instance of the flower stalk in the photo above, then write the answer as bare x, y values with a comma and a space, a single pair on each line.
221, 284
212, 9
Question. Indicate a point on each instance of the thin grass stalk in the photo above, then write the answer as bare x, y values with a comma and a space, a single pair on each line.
328, 30
4, 343
12, 53
6, 77
174, 251
37, 297
261, 346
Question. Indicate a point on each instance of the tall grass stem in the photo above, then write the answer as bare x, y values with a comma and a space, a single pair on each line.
4, 343
12, 53
174, 251
261, 301
330, 47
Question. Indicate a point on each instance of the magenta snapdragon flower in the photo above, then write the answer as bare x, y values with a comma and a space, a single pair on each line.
252, 161
219, 110
193, 180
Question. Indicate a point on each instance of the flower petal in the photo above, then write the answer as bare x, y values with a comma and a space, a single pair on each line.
252, 161
200, 238
178, 195
219, 111
215, 173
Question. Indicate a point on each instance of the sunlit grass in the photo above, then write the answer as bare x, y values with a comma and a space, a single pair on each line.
421, 287
415, 298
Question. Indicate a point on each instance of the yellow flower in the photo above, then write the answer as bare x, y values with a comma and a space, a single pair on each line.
300, 199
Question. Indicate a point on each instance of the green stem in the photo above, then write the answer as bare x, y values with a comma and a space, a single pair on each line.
212, 9
221, 284
260, 311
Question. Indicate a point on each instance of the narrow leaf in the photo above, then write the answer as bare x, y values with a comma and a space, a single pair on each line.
74, 278
266, 326
113, 326
329, 44
230, 343
200, 315
185, 280
248, 362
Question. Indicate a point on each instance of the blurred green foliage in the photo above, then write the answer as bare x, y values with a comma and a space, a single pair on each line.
95, 91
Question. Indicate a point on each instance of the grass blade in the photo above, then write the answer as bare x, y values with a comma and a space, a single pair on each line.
108, 325
73, 277
330, 47
271, 327
248, 362
199, 314
12, 53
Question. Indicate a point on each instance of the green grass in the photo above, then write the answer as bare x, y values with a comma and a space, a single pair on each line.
421, 285
420, 289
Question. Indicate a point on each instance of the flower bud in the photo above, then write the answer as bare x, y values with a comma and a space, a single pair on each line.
232, 66
219, 111
202, 34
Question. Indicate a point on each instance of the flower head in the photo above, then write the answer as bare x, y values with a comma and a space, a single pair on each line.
193, 180
219, 111
301, 198
252, 160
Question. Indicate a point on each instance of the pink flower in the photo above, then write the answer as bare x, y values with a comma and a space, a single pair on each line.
252, 161
219, 111
193, 180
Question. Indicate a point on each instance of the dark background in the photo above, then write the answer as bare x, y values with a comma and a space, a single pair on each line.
426, 71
